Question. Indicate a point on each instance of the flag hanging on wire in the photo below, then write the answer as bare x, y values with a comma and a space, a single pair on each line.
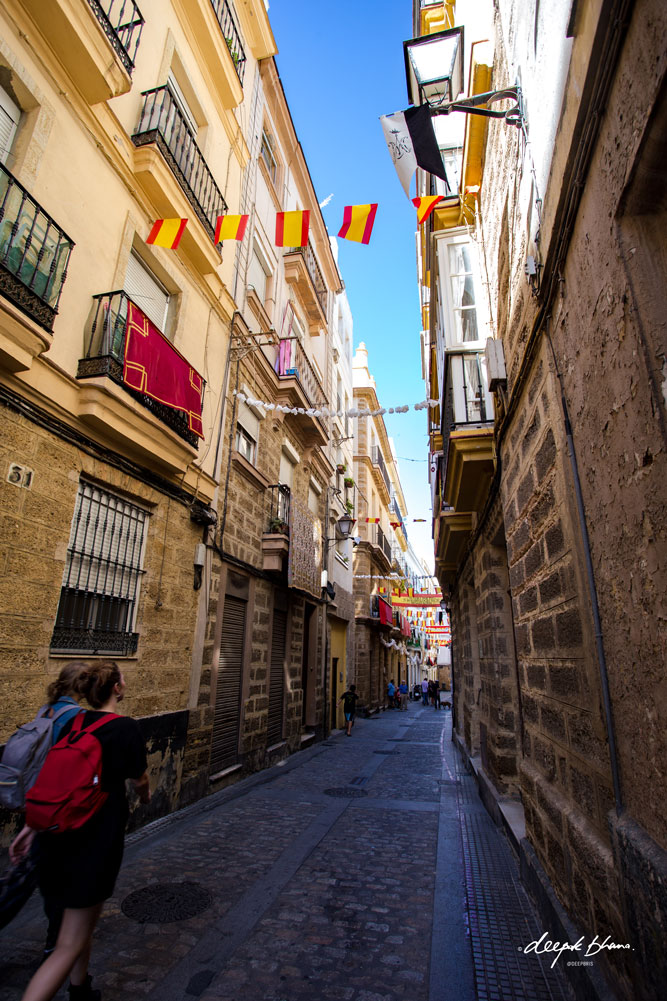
292, 228
358, 222
230, 227
167, 233
411, 142
425, 206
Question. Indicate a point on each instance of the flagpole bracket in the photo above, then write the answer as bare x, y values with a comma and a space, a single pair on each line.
472, 105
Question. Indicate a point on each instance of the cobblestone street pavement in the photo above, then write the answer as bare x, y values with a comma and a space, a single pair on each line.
362, 869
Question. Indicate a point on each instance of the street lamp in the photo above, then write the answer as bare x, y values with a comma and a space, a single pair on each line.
434, 67
434, 75
343, 530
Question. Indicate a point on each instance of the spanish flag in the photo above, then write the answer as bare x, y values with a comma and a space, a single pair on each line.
358, 222
372, 521
425, 206
167, 233
230, 227
292, 228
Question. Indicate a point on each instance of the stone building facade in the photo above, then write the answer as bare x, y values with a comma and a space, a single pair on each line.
380, 652
550, 521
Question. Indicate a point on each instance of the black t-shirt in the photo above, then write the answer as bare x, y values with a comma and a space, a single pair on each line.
123, 749
349, 701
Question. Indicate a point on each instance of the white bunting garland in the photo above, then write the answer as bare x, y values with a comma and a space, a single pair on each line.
326, 412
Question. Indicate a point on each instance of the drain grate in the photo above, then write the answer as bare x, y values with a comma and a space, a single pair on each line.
161, 903
346, 792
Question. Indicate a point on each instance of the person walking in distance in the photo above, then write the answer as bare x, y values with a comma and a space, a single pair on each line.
403, 692
425, 691
391, 692
349, 700
79, 867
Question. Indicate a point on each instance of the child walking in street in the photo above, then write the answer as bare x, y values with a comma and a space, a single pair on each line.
349, 700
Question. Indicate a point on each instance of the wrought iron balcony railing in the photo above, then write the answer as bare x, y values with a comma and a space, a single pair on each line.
122, 23
231, 35
163, 123
105, 355
314, 271
381, 540
377, 460
34, 253
278, 509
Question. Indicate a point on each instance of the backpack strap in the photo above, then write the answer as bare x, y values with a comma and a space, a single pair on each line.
65, 709
77, 725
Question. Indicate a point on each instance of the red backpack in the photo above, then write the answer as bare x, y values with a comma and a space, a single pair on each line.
68, 790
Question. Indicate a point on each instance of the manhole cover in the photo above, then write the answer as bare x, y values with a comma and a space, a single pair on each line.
385, 752
165, 902
346, 792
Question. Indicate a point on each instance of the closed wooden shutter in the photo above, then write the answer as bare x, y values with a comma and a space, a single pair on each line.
9, 120
277, 677
146, 291
224, 745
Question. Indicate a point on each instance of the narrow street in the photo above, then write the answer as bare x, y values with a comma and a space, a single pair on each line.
362, 869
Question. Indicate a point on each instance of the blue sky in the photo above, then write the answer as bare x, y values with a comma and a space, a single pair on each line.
342, 67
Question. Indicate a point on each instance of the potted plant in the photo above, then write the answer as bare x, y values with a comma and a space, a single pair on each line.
349, 505
341, 467
348, 481
277, 526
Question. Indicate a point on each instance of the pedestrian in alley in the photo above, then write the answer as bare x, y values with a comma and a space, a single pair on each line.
403, 692
62, 705
349, 700
425, 691
391, 693
78, 867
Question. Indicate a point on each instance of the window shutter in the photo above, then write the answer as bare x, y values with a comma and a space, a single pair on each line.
277, 677
146, 291
9, 121
224, 745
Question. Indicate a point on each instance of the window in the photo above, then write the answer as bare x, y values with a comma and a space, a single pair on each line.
10, 114
147, 291
245, 444
266, 153
100, 589
259, 273
464, 318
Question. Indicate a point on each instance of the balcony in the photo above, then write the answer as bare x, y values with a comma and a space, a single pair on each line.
382, 542
303, 271
467, 431
231, 36
381, 609
212, 25
96, 41
163, 124
275, 538
34, 254
298, 386
109, 409
379, 465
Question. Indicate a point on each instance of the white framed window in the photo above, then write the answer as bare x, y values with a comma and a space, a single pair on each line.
100, 588
463, 314
246, 444
268, 156
10, 114
259, 273
147, 291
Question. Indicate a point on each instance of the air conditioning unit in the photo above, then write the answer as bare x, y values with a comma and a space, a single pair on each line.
495, 364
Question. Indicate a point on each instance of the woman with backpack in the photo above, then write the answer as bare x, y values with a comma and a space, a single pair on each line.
79, 862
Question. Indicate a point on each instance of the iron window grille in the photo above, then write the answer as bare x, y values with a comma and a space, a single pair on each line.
100, 589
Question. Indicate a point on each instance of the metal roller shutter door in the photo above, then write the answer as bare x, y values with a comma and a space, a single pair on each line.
224, 745
277, 677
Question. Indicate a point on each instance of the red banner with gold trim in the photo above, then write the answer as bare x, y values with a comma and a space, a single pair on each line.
154, 367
